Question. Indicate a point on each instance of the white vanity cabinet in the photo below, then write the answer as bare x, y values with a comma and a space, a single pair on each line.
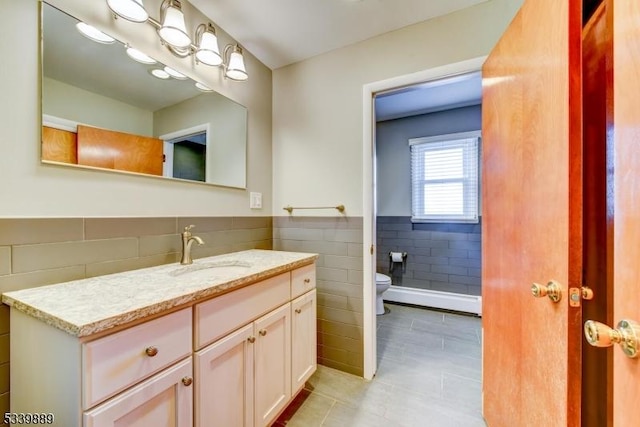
233, 359
303, 340
166, 399
245, 378
272, 369
303, 326
133, 377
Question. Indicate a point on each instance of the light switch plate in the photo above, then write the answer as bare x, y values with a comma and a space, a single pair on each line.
255, 200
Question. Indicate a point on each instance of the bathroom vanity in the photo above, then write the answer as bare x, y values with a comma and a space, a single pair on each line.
226, 341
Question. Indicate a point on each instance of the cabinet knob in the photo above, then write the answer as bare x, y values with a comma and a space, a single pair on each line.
251, 339
298, 310
187, 381
307, 280
263, 332
151, 351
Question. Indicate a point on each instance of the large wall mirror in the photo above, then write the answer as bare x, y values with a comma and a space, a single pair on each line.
103, 109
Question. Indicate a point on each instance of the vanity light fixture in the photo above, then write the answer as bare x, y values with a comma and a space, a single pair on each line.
207, 50
175, 74
161, 74
172, 31
203, 88
136, 55
234, 68
131, 10
94, 34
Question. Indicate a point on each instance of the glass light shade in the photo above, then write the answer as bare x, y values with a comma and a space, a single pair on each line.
174, 30
235, 68
94, 34
131, 10
203, 88
161, 74
208, 52
175, 74
136, 55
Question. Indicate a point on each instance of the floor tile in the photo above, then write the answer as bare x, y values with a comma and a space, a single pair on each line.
343, 416
429, 374
307, 410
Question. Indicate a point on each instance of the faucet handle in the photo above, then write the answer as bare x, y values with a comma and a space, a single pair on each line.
189, 227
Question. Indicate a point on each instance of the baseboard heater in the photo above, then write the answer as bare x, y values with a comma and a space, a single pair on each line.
435, 299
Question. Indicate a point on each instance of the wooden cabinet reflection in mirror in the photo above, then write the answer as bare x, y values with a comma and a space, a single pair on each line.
103, 149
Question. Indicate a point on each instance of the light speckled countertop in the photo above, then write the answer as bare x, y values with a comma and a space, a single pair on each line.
88, 306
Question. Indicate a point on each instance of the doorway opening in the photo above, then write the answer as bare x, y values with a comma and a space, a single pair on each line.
378, 186
185, 153
427, 163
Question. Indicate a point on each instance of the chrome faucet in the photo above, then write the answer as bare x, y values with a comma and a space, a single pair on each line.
187, 241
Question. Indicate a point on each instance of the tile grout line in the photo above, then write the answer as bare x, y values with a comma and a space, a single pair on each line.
328, 412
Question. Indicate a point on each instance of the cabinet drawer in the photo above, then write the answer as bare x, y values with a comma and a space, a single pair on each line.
221, 315
166, 399
112, 363
303, 280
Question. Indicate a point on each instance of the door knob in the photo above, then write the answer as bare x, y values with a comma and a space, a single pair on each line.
627, 334
552, 290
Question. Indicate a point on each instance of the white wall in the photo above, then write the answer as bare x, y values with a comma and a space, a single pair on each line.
227, 130
317, 103
30, 189
78, 105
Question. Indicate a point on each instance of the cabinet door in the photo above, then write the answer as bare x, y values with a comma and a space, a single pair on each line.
164, 400
303, 339
224, 381
272, 364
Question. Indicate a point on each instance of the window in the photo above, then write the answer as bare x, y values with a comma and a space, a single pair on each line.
444, 178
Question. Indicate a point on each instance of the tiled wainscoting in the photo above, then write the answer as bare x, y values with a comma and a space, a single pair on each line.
338, 240
440, 257
36, 252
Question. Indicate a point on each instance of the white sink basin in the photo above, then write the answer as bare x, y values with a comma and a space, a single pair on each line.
211, 269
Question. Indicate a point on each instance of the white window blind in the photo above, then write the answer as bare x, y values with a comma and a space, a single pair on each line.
444, 178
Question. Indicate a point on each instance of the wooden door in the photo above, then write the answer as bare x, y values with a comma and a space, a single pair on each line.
303, 340
532, 225
59, 145
625, 181
272, 365
164, 400
120, 151
224, 381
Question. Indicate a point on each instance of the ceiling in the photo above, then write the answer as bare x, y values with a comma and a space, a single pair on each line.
281, 32
429, 97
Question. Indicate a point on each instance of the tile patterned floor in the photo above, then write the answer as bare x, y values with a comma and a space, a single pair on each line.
429, 375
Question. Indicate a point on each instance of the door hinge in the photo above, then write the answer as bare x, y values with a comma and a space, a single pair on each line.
371, 250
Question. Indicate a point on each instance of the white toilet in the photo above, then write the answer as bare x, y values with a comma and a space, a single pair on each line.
382, 284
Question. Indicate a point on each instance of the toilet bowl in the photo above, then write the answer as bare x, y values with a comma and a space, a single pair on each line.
382, 284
